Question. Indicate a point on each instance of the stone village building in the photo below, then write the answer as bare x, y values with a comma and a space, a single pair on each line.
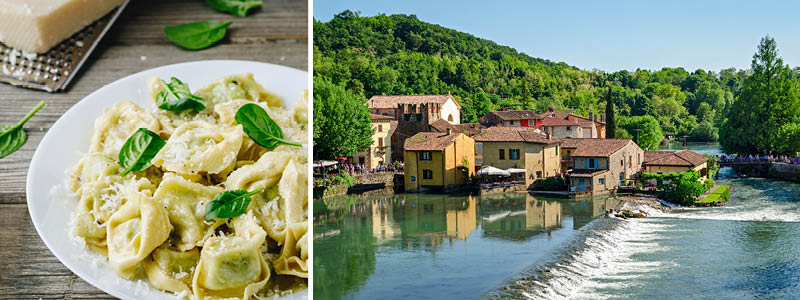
436, 161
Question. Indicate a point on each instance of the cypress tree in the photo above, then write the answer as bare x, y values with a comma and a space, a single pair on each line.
610, 125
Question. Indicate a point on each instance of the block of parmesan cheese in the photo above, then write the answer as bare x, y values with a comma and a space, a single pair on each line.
35, 26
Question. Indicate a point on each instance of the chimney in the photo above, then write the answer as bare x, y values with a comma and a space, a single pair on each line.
591, 115
449, 131
603, 118
551, 109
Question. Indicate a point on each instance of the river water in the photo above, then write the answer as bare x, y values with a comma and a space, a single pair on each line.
517, 246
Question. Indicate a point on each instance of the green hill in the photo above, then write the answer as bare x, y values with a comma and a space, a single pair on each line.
399, 54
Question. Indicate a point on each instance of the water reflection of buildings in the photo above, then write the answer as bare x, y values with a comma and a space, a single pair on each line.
586, 209
429, 219
518, 216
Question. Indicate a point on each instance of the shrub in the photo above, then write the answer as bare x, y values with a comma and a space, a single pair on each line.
683, 188
550, 184
348, 179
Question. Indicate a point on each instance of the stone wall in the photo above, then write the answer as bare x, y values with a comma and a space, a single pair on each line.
785, 171
363, 183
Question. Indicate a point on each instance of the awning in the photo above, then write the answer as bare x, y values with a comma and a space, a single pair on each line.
324, 163
489, 170
515, 170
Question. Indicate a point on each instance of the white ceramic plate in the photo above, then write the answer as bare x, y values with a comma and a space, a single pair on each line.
69, 137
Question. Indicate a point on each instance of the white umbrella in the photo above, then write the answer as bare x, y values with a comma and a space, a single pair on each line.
515, 171
489, 170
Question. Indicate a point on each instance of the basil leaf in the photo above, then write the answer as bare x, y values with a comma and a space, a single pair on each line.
176, 96
198, 35
238, 8
229, 204
139, 149
260, 127
12, 137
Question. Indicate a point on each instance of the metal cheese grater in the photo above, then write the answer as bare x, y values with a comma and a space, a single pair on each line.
52, 71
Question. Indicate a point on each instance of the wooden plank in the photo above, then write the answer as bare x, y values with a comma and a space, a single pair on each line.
277, 34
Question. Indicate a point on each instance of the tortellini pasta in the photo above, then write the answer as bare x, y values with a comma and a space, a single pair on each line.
198, 146
116, 124
151, 225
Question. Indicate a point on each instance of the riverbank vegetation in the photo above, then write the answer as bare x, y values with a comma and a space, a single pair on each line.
682, 188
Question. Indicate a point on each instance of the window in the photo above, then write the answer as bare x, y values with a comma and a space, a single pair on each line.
621, 176
380, 142
591, 163
502, 154
538, 174
601, 181
621, 162
569, 128
630, 161
450, 118
478, 149
427, 174
425, 155
413, 178
513, 154
380, 127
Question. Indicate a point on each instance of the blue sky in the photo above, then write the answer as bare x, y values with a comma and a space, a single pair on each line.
610, 35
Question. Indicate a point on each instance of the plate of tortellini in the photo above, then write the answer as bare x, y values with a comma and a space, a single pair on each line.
187, 181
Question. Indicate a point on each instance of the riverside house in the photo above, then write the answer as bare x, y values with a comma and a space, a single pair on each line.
601, 165
435, 160
676, 162
380, 152
520, 147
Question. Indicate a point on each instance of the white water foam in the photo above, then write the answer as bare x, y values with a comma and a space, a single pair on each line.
606, 256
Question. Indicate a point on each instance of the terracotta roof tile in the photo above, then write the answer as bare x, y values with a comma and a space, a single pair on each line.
587, 119
441, 125
556, 122
570, 143
681, 158
513, 134
469, 129
600, 147
430, 141
376, 117
381, 101
509, 115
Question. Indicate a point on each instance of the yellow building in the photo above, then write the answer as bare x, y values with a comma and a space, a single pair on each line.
676, 162
435, 160
380, 152
520, 147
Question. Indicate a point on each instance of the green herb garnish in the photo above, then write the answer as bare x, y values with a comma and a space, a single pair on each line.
260, 127
229, 204
238, 8
198, 35
139, 149
12, 137
176, 96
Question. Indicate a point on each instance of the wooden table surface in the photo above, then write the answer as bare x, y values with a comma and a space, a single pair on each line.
277, 33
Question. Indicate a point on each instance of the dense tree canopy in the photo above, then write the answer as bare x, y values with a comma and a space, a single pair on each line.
342, 123
399, 54
645, 131
766, 116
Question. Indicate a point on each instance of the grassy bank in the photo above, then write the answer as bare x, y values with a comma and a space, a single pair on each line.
719, 195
